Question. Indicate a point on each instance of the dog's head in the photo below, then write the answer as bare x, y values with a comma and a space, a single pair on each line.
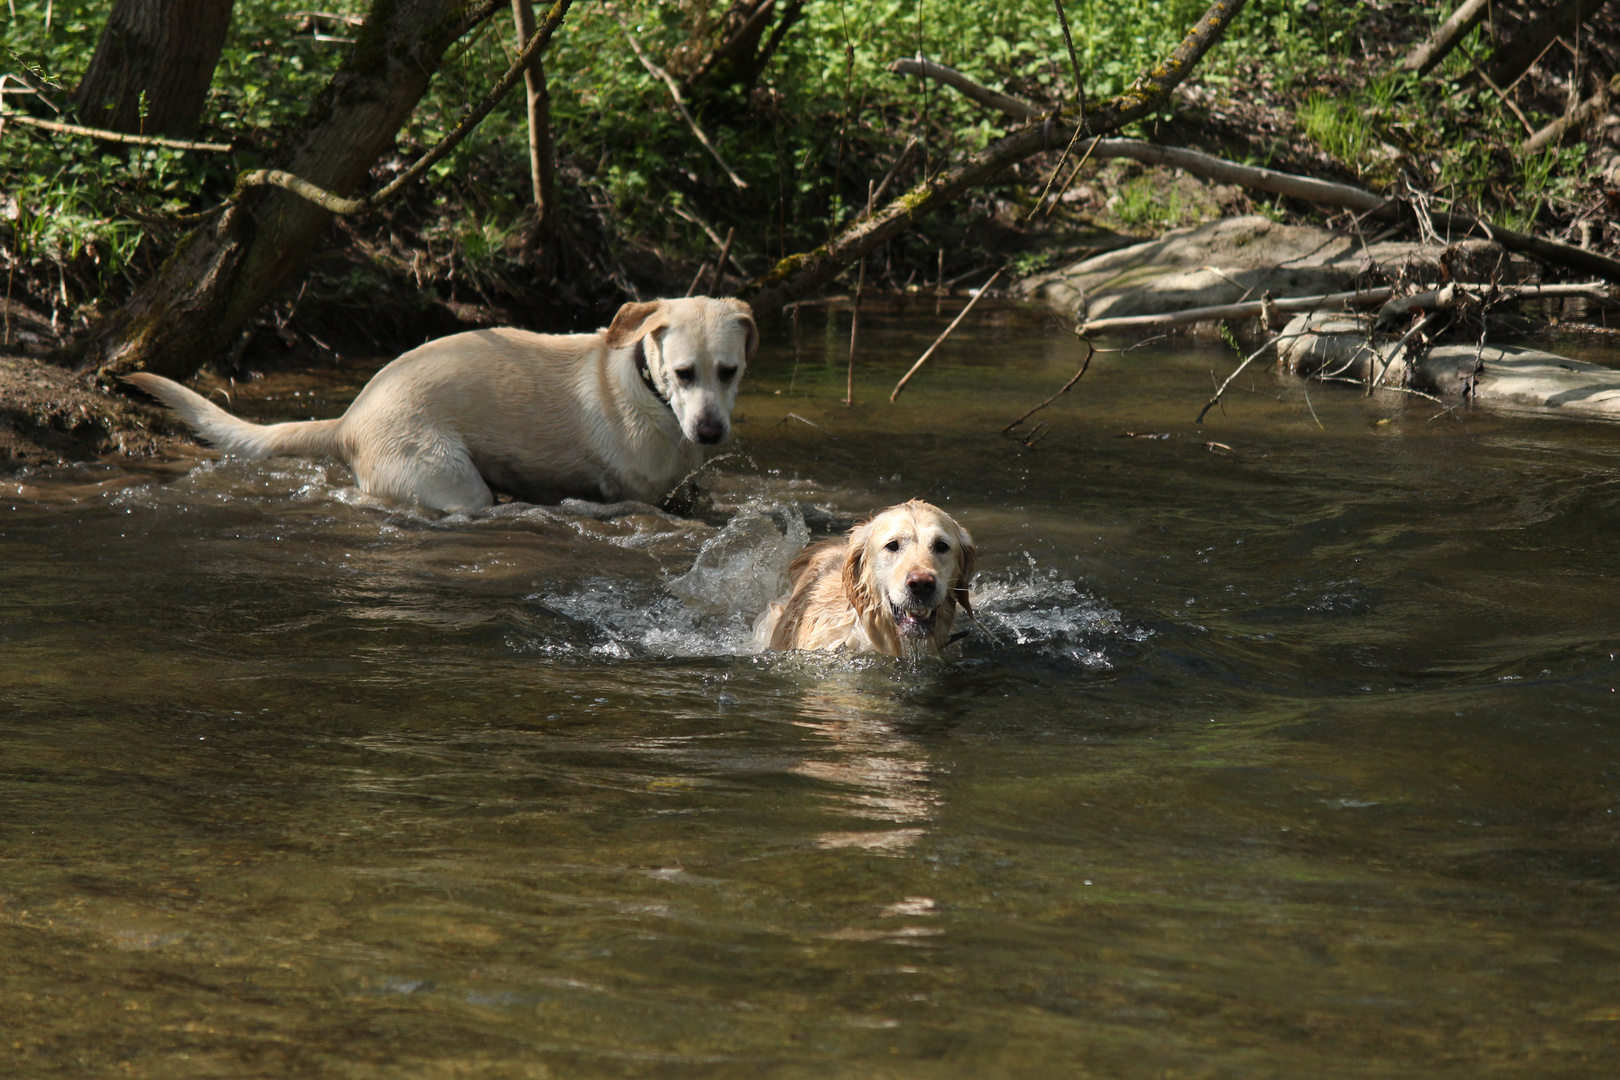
906, 572
695, 351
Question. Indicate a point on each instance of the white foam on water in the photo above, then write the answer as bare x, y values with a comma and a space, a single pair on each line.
1040, 611
709, 610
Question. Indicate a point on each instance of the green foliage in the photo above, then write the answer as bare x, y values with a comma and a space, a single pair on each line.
826, 119
1141, 203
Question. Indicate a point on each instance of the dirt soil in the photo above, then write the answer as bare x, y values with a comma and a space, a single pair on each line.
49, 417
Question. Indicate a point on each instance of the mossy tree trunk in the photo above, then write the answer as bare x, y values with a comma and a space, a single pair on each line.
152, 66
221, 273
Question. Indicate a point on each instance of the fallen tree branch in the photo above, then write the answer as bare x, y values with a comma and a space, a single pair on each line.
1017, 108
983, 289
1555, 132
1324, 192
1245, 310
1549, 251
1250, 176
801, 274
1435, 48
680, 106
1194, 161
1393, 307
112, 136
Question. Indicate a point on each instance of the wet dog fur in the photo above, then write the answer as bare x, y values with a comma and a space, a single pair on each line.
891, 586
622, 413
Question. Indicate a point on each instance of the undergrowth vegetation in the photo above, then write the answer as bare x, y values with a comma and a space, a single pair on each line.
86, 219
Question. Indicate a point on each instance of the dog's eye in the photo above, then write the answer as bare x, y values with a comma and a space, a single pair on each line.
892, 545
686, 375
941, 546
727, 374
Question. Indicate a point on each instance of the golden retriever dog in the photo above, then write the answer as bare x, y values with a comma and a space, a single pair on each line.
892, 586
621, 413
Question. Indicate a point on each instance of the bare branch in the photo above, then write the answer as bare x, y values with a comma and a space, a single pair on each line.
113, 136
1017, 108
1091, 350
800, 275
1435, 49
983, 289
1555, 132
680, 106
1246, 310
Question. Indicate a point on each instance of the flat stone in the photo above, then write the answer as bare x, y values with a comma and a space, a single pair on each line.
1242, 258
1507, 377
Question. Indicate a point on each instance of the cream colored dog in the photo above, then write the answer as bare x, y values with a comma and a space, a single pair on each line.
893, 586
618, 414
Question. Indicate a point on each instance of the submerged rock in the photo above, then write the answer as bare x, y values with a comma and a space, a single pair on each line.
1242, 258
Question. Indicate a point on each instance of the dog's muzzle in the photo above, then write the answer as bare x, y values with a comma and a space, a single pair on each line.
709, 432
913, 621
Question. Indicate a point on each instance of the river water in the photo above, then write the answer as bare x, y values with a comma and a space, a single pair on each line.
1292, 755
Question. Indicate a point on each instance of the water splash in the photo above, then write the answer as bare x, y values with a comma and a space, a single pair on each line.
745, 567
1042, 612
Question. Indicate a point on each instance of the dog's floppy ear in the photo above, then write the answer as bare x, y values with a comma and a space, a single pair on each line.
964, 573
857, 588
751, 341
636, 321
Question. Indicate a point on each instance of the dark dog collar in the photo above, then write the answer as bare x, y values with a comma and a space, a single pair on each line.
646, 376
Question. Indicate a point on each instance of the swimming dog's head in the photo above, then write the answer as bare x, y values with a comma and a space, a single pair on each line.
906, 572
693, 352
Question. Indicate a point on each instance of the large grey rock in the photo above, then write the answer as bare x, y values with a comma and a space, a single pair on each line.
1241, 258
1499, 376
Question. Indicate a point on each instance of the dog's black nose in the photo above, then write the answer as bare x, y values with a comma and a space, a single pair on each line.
710, 432
921, 584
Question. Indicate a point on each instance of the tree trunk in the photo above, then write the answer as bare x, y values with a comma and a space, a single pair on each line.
744, 51
542, 159
222, 272
163, 49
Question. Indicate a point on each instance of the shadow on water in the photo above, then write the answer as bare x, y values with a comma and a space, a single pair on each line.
1294, 757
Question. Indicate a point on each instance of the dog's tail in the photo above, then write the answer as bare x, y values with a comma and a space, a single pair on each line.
233, 435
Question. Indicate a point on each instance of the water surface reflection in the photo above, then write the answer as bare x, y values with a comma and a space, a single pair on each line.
1297, 761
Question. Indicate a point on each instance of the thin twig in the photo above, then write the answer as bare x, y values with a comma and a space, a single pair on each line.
680, 106
1067, 184
1240, 368
855, 313
682, 211
1078, 128
1074, 59
720, 263
1377, 386
114, 136
1091, 350
985, 288
1306, 387
702, 268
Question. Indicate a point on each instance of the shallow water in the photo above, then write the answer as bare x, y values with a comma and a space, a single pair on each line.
1296, 755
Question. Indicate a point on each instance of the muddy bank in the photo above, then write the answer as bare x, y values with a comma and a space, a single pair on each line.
48, 417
